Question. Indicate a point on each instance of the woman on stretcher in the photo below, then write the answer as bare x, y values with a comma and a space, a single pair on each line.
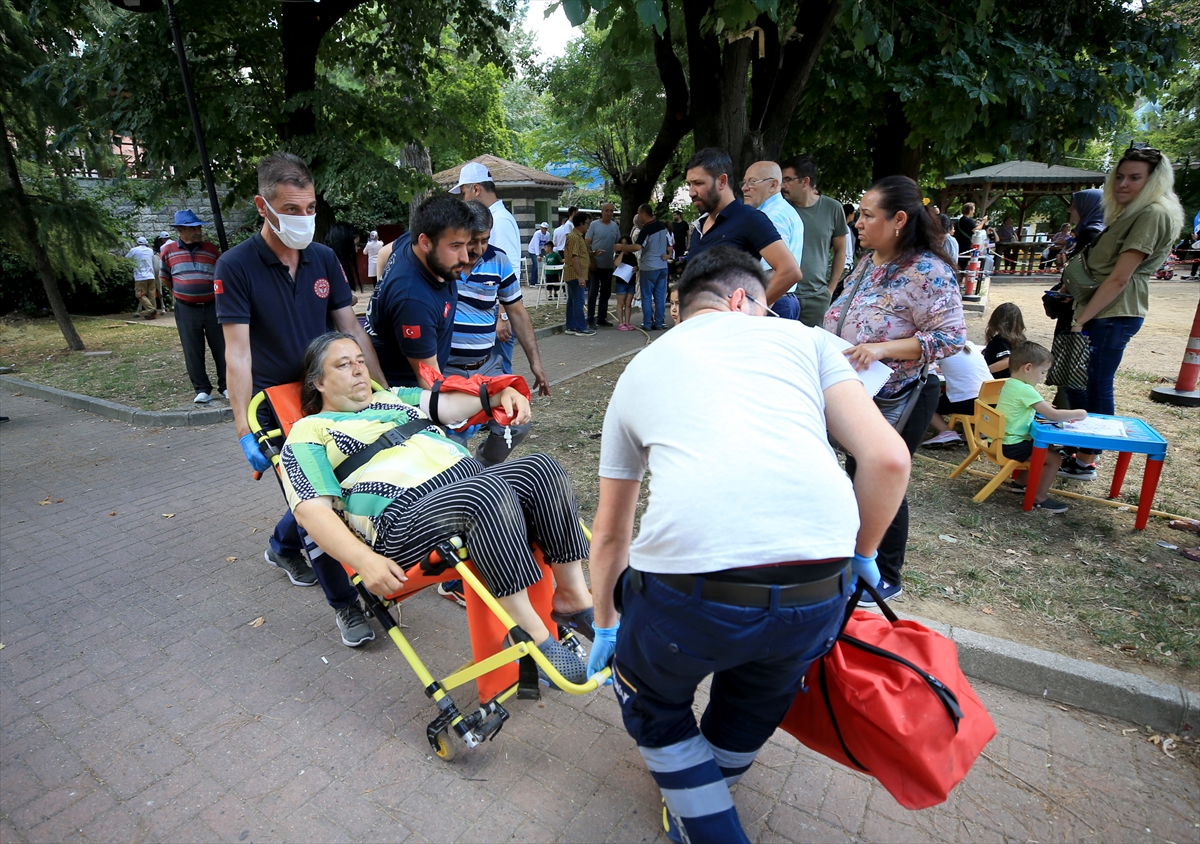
385, 515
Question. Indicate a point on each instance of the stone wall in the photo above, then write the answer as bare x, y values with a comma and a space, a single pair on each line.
148, 221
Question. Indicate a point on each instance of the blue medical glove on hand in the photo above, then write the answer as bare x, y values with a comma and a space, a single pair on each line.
258, 460
865, 568
603, 648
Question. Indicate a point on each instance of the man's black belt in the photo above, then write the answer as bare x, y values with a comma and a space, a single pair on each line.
388, 439
470, 367
753, 594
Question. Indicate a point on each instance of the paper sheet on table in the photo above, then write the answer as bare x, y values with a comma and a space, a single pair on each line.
874, 376
1099, 427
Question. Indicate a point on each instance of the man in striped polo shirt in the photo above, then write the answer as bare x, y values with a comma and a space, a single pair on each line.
188, 267
473, 350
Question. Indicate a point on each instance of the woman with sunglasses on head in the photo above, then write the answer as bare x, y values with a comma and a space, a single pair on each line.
1111, 280
901, 306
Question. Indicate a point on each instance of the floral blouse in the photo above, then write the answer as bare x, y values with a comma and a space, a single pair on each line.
917, 296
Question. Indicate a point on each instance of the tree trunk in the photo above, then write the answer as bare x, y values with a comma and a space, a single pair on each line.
417, 157
41, 260
892, 154
301, 30
636, 185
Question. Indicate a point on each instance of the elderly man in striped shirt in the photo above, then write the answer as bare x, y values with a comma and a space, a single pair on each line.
474, 351
188, 267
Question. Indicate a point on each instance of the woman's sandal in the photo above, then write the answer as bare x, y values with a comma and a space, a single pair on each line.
578, 622
565, 661
1190, 525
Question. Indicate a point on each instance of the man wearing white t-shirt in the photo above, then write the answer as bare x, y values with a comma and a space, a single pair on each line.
143, 277
559, 238
742, 564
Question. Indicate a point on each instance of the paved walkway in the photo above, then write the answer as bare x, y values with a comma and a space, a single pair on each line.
138, 702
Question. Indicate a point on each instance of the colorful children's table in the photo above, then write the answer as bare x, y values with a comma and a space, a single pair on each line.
1139, 438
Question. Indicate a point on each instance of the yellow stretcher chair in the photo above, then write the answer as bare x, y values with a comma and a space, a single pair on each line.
499, 672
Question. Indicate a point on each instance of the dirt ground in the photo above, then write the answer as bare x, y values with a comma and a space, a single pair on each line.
1156, 350
1085, 585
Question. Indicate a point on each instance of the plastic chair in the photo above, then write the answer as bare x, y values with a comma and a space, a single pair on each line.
988, 425
545, 269
989, 394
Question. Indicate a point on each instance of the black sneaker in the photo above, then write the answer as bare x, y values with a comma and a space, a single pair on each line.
1051, 505
1076, 471
886, 590
1015, 487
452, 590
296, 567
353, 626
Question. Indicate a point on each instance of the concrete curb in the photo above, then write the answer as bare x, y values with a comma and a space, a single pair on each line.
182, 418
1085, 685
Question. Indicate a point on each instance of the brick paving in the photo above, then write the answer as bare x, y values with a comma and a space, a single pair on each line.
137, 702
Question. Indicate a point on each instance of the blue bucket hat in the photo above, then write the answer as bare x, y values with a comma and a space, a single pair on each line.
187, 218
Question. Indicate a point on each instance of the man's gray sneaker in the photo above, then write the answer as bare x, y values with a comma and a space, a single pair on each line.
297, 568
354, 626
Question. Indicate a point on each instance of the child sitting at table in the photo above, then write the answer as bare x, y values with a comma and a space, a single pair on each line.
1018, 401
964, 373
1005, 329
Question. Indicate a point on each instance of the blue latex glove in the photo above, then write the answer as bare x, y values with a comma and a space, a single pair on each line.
603, 648
865, 568
257, 459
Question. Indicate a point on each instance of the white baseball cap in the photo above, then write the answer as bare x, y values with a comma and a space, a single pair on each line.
472, 173
141, 241
543, 225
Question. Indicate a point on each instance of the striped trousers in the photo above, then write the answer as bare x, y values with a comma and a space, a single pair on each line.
498, 512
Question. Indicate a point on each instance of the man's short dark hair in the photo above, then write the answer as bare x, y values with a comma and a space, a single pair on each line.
713, 160
282, 168
489, 186
439, 213
804, 167
678, 214
582, 218
718, 272
647, 209
481, 216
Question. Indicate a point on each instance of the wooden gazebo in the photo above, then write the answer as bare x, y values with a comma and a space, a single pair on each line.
1024, 182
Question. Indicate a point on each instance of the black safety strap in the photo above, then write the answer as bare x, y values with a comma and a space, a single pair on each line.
527, 670
389, 439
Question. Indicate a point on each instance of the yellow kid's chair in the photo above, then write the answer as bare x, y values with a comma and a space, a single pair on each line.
989, 394
988, 424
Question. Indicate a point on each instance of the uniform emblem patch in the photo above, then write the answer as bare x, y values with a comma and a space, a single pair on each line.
321, 288
218, 286
446, 311
411, 332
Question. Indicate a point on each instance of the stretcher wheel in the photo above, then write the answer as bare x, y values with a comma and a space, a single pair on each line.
446, 747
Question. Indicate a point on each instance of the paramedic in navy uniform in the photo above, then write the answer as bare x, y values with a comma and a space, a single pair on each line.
275, 292
742, 565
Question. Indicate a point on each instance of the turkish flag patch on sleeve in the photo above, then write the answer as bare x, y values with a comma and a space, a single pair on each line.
218, 286
411, 332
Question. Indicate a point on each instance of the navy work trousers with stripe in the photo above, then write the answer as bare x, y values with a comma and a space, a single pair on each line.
667, 644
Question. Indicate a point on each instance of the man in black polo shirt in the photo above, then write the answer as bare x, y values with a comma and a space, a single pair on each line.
410, 317
275, 293
727, 221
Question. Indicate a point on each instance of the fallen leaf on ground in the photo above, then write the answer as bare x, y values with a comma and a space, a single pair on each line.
168, 515
258, 622
44, 503
59, 500
987, 610
113, 513
230, 559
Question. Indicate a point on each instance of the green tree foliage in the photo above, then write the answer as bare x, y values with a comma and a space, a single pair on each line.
46, 135
929, 90
345, 84
468, 99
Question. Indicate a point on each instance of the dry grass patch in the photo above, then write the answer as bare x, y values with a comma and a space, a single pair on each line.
145, 369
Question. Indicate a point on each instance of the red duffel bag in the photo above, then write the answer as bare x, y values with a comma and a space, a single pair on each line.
890, 700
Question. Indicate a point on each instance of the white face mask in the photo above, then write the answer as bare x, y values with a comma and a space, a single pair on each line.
295, 230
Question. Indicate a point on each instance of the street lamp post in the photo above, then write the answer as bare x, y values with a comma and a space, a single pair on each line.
143, 6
